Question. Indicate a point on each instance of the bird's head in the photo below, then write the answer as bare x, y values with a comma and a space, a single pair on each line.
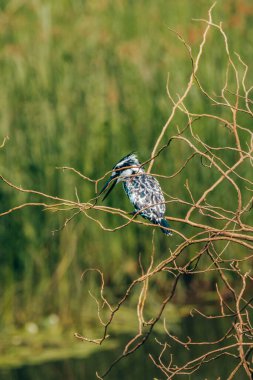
126, 167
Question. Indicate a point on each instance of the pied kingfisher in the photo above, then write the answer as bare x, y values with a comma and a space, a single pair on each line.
143, 190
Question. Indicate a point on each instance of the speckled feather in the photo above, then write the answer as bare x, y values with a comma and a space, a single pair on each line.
143, 190
145, 193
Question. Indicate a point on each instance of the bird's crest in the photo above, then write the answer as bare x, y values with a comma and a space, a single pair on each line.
128, 160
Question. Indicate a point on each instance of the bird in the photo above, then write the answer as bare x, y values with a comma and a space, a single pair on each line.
142, 189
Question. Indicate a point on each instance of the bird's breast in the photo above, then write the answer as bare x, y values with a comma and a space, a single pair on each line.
134, 188
144, 191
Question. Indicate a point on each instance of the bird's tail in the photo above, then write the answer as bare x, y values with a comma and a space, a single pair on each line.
165, 224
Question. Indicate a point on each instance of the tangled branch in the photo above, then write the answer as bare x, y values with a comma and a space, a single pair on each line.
216, 229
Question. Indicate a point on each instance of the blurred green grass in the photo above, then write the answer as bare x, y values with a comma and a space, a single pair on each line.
82, 84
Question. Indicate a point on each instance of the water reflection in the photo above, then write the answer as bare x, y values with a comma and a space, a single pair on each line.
136, 366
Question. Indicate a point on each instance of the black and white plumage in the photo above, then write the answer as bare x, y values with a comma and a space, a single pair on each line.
143, 190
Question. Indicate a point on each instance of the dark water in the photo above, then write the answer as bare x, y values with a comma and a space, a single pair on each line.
136, 366
75, 369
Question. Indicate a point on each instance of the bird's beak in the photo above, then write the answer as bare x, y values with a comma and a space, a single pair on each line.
111, 180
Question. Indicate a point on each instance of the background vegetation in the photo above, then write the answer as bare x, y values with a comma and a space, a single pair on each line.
82, 84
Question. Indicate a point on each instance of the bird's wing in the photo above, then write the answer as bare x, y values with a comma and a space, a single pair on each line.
148, 197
